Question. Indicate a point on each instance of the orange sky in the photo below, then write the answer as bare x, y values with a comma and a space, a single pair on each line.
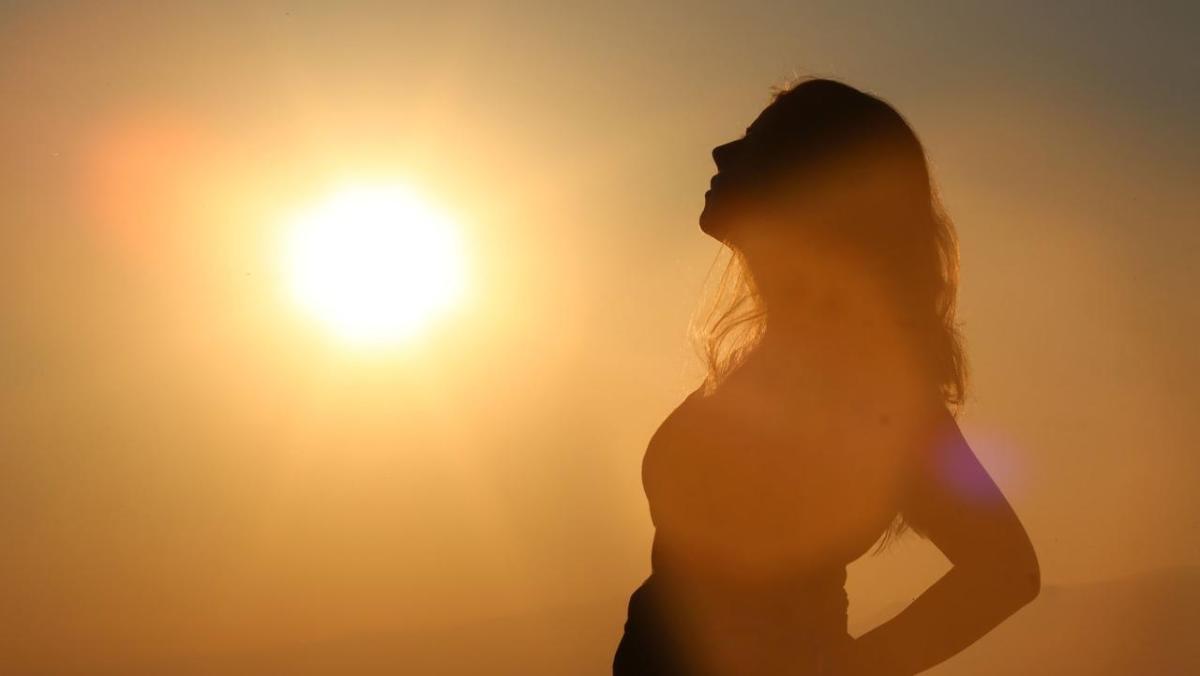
188, 466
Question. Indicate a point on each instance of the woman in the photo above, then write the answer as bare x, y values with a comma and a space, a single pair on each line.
826, 424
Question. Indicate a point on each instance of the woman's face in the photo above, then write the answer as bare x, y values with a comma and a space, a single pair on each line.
715, 198
756, 192
730, 189
748, 195
749, 184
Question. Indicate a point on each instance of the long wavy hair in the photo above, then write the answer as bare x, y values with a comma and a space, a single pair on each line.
916, 250
905, 234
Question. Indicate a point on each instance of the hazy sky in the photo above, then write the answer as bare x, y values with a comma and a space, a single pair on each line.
187, 465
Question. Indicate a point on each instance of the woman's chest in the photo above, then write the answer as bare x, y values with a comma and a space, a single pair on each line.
817, 479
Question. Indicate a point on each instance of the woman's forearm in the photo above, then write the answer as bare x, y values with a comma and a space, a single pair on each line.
952, 614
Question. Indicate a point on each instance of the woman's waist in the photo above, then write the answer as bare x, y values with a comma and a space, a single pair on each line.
746, 573
804, 600
728, 626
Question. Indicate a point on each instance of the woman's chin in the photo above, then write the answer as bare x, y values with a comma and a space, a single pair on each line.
709, 221
719, 213
706, 223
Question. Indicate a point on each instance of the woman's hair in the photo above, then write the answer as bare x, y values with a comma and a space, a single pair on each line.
733, 320
827, 137
824, 136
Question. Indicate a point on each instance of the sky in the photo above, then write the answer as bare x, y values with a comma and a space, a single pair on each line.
189, 465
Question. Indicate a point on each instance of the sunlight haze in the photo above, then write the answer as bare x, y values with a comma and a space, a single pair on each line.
340, 329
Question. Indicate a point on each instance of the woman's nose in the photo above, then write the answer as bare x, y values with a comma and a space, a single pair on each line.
723, 154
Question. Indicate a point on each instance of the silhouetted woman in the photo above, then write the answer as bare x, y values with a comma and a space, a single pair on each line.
826, 424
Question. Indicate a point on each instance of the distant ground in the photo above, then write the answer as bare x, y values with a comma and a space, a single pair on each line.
1144, 624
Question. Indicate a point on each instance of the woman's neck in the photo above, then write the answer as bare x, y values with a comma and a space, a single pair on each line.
829, 326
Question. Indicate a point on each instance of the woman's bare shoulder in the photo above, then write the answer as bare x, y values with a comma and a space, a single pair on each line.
689, 409
680, 427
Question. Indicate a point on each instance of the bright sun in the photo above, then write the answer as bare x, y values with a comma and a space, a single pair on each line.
377, 264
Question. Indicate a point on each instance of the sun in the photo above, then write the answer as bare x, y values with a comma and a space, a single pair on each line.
376, 264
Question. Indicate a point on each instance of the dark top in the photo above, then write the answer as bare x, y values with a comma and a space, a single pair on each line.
803, 625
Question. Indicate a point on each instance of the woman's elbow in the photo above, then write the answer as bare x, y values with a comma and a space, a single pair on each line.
1013, 581
1030, 584
1022, 578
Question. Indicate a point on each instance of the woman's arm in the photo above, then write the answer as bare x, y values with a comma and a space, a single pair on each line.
952, 501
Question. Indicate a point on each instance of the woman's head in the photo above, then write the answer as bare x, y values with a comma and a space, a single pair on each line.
831, 181
819, 148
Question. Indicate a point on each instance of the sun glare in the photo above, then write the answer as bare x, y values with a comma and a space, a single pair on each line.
376, 264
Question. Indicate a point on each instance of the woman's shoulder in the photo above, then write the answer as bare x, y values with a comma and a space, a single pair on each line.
680, 427
687, 410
